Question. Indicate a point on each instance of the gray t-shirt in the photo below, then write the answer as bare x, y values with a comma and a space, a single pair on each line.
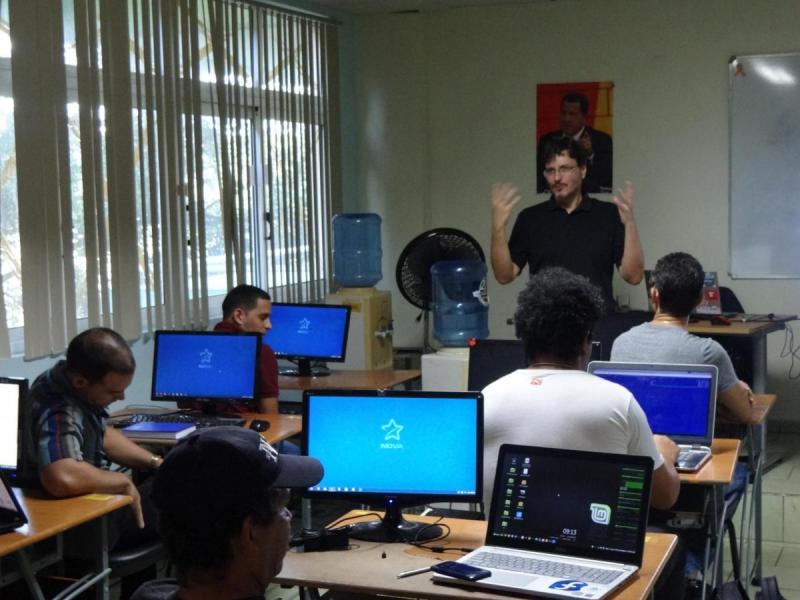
657, 344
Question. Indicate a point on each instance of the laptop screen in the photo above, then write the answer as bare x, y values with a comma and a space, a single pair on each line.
12, 391
583, 504
11, 513
679, 402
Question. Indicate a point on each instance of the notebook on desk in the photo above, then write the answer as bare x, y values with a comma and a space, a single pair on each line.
563, 523
680, 402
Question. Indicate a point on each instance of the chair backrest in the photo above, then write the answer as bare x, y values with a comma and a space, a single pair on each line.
728, 301
491, 359
607, 329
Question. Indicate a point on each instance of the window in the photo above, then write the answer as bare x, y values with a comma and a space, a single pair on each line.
190, 147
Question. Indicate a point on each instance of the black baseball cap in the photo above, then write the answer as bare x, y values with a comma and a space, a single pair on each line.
221, 467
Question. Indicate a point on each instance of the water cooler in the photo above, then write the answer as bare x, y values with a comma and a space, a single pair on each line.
356, 269
460, 313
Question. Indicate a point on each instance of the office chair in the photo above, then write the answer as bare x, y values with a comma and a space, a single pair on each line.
611, 326
131, 561
728, 301
492, 359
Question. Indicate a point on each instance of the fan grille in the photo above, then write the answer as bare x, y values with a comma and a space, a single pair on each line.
416, 260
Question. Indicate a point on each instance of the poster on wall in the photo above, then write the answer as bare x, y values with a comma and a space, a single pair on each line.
585, 112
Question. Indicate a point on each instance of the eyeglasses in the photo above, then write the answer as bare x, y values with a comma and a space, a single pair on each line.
563, 171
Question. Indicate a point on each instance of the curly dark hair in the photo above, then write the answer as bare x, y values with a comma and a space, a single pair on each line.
678, 277
555, 312
563, 145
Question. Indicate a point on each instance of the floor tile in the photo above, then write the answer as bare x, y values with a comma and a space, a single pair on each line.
787, 570
791, 519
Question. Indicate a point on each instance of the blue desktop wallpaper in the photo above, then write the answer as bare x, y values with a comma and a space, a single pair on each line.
205, 366
674, 404
394, 445
307, 331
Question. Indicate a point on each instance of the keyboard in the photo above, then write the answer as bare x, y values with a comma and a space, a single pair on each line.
689, 458
199, 421
546, 568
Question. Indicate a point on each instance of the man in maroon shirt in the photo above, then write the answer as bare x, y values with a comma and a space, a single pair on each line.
247, 308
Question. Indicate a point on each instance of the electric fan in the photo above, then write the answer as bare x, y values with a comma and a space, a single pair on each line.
414, 266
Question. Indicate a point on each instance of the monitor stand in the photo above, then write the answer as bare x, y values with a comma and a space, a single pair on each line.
394, 528
304, 369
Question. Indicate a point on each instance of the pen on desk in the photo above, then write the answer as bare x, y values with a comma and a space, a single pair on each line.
402, 574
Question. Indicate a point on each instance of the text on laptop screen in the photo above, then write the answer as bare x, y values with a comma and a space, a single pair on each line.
309, 331
570, 504
676, 402
9, 423
398, 449
205, 365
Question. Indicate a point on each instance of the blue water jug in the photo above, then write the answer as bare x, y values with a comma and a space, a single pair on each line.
357, 249
460, 303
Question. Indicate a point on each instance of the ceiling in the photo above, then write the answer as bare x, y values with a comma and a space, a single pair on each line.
373, 7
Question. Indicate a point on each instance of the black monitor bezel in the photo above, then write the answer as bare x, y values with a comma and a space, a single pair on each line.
205, 399
315, 357
23, 412
400, 500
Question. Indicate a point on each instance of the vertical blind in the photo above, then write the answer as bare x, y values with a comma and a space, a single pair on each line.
167, 150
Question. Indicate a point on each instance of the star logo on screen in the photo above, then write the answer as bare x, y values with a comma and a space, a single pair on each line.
305, 324
392, 430
205, 356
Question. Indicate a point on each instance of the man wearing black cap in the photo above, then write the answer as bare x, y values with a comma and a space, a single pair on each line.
221, 497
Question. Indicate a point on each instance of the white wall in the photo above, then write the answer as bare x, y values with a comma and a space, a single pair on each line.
445, 105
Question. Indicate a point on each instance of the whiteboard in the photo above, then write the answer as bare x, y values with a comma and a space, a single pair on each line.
765, 166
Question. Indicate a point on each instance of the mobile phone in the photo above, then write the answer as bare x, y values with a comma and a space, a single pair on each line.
461, 570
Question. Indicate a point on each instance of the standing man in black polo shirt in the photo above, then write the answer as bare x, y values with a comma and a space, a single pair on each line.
571, 230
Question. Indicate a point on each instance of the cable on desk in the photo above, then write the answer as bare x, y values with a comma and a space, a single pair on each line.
335, 524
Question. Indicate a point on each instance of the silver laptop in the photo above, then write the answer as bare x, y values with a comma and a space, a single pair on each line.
563, 523
680, 402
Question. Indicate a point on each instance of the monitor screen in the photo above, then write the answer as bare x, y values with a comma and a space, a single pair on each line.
205, 366
12, 397
308, 332
395, 448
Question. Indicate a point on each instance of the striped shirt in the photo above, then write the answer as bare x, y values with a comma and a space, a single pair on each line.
64, 425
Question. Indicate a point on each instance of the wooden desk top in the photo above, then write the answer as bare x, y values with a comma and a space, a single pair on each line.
280, 428
363, 569
718, 470
748, 328
763, 404
48, 516
350, 380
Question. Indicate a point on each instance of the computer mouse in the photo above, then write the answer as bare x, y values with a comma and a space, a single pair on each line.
259, 425
720, 320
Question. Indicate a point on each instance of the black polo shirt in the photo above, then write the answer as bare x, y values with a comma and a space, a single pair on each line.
588, 241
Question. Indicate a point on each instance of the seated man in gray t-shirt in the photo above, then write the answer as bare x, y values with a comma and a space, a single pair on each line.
676, 291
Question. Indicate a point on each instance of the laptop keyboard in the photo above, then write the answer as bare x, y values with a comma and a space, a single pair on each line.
687, 457
547, 568
199, 421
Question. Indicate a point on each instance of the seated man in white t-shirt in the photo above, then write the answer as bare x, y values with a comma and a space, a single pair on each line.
554, 402
676, 292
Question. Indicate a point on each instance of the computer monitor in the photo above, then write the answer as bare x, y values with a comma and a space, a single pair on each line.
395, 449
13, 391
308, 332
205, 366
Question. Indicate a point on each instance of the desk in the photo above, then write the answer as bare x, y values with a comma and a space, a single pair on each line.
48, 517
757, 456
281, 427
715, 474
351, 380
364, 570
